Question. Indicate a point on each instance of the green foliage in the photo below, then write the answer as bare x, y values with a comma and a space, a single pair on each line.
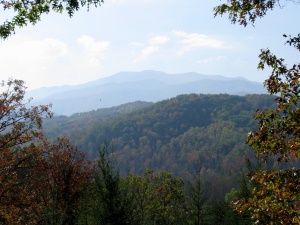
232, 195
275, 193
110, 203
219, 212
59, 189
173, 135
197, 200
279, 129
71, 125
30, 12
169, 199
245, 11
157, 198
140, 193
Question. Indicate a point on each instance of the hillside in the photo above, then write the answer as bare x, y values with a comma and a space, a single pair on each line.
179, 135
150, 86
65, 125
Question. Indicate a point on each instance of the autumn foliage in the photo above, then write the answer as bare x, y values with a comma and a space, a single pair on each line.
20, 126
61, 177
40, 182
275, 196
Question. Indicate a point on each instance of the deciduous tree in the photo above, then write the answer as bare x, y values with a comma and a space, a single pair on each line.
245, 11
158, 198
20, 127
275, 195
59, 181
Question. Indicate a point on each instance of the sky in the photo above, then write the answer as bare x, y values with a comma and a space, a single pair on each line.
174, 36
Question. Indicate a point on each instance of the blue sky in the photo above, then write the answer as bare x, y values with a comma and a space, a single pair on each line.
173, 36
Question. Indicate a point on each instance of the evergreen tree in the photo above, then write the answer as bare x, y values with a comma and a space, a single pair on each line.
111, 203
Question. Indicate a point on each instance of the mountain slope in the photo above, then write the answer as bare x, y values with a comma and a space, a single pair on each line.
124, 87
179, 135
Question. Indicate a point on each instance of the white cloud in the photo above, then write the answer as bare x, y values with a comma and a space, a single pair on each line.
49, 62
146, 52
30, 59
150, 50
159, 40
23, 50
192, 41
93, 51
152, 47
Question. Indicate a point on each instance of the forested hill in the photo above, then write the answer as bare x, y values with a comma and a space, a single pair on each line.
177, 134
67, 125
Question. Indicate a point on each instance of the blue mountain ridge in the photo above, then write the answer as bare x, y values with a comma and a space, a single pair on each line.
125, 87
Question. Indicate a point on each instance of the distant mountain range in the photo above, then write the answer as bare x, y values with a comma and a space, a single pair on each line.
124, 87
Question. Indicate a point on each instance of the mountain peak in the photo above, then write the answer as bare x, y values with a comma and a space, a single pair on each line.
147, 85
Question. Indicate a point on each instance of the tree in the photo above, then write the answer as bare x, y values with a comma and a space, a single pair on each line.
30, 12
111, 203
140, 193
275, 195
40, 182
220, 212
59, 182
158, 198
197, 199
245, 11
20, 128
19, 124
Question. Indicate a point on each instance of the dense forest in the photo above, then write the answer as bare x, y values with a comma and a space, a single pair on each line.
179, 135
179, 161
51, 181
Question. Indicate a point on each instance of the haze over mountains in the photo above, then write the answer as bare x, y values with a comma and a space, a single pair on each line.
124, 87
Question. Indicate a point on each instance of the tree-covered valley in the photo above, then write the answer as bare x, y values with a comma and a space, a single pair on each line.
179, 135
138, 163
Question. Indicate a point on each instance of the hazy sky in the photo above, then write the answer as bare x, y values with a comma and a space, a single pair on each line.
173, 36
